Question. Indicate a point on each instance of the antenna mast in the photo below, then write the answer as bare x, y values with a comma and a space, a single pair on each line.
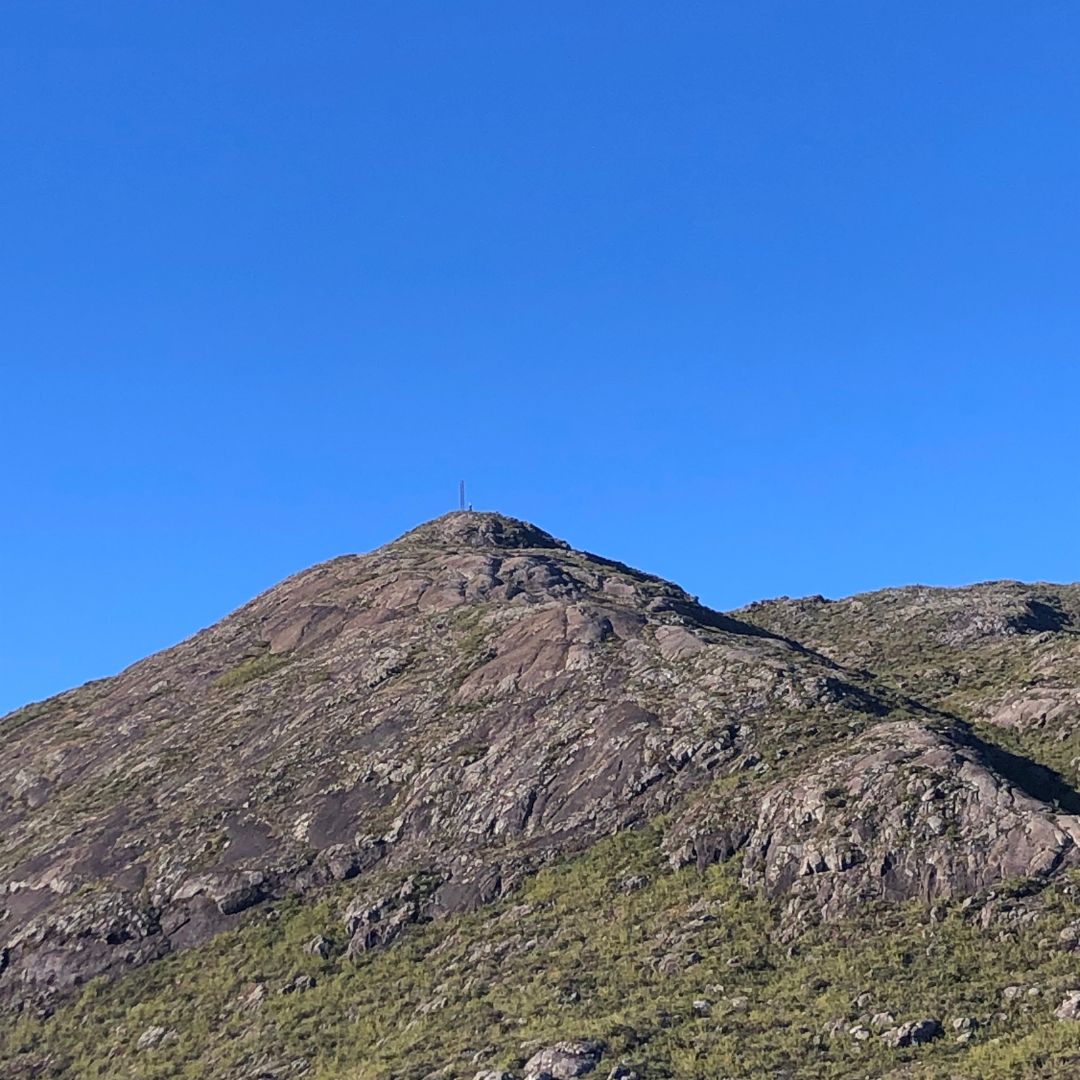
462, 494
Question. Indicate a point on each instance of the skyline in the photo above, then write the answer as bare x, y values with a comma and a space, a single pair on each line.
765, 301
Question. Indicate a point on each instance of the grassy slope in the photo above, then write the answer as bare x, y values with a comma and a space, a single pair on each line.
574, 953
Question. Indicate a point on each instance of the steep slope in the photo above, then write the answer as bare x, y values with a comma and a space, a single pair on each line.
463, 701
411, 735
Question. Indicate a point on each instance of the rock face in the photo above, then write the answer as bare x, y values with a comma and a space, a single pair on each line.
467, 702
905, 811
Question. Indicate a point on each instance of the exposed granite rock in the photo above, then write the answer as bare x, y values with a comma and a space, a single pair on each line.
460, 706
1069, 1009
906, 811
298, 985
320, 946
1057, 708
914, 1033
565, 1060
471, 698
153, 1037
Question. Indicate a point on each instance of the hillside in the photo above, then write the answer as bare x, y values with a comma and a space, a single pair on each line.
431, 810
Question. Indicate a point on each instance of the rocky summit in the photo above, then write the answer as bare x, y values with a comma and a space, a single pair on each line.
477, 804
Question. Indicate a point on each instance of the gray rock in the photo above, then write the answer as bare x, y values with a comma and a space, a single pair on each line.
153, 1037
633, 695
914, 1033
864, 845
1069, 1009
1069, 937
565, 1060
320, 946
253, 998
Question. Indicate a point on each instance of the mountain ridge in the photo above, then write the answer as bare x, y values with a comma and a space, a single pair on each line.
476, 699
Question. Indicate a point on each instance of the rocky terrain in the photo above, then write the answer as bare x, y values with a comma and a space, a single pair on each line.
480, 805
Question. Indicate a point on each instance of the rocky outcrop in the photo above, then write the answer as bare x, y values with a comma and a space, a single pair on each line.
1048, 707
468, 700
1069, 1009
455, 709
565, 1060
914, 1033
907, 811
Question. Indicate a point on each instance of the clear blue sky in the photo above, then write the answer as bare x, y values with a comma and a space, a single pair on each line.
771, 297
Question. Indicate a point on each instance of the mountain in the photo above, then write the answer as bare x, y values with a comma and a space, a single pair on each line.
479, 804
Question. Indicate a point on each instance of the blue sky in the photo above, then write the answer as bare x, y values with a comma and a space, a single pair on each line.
769, 298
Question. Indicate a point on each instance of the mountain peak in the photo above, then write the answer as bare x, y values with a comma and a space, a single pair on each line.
481, 529
437, 720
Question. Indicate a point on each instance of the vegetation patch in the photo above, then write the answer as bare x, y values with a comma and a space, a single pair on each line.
683, 974
255, 667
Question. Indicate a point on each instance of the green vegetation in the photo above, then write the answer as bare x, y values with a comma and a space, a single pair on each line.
685, 975
963, 652
26, 715
255, 667
611, 943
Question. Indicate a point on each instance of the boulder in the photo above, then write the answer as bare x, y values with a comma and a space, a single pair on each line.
153, 1037
565, 1060
320, 946
914, 1033
1069, 1009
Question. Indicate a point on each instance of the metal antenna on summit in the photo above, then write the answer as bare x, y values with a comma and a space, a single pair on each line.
462, 494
